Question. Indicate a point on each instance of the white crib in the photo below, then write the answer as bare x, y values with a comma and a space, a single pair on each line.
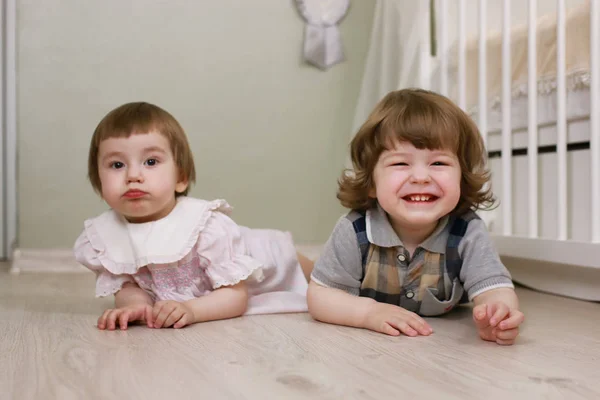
534, 90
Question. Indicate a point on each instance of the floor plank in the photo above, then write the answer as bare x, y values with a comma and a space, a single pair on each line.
51, 349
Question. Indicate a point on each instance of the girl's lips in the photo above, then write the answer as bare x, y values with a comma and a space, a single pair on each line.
134, 194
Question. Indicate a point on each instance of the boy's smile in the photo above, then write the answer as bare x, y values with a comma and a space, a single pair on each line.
416, 188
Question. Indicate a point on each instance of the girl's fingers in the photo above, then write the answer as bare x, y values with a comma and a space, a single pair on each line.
112, 319
102, 319
123, 318
148, 316
175, 316
162, 317
183, 321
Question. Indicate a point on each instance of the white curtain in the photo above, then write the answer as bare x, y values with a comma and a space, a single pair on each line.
398, 53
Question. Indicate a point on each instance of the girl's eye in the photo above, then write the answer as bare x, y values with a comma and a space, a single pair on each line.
439, 163
117, 165
151, 162
399, 164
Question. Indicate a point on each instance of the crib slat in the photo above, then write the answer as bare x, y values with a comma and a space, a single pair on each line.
462, 54
506, 122
561, 120
482, 70
443, 47
595, 117
532, 128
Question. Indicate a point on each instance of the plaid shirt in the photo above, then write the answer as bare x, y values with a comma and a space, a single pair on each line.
390, 276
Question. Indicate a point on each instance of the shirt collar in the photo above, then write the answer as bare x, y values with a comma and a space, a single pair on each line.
381, 233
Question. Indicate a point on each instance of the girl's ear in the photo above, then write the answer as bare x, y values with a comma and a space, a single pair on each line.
182, 183
181, 186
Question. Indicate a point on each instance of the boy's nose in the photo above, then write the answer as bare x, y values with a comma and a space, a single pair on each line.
420, 175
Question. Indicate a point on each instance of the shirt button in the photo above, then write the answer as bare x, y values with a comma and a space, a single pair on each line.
410, 295
401, 257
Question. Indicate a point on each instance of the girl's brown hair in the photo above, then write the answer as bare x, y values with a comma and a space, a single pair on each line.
427, 120
137, 118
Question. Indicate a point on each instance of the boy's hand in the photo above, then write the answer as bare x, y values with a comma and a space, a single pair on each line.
171, 313
496, 322
137, 312
391, 320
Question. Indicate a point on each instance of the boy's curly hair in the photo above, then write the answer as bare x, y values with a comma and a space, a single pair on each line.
136, 118
427, 120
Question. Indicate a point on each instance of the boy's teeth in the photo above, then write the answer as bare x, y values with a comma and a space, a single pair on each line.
419, 198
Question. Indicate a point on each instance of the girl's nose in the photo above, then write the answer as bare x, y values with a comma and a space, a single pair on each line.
134, 174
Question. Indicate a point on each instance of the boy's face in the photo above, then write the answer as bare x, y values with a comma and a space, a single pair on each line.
416, 187
139, 176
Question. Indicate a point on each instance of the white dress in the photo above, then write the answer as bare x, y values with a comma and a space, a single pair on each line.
194, 250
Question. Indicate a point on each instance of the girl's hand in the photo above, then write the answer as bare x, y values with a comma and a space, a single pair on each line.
137, 312
171, 313
496, 322
391, 320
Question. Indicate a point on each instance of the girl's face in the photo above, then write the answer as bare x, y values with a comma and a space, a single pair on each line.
416, 187
139, 176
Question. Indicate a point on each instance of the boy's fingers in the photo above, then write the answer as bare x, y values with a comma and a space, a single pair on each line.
510, 334
480, 316
500, 312
514, 319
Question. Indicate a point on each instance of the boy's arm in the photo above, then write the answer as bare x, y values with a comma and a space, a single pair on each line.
503, 295
335, 306
333, 294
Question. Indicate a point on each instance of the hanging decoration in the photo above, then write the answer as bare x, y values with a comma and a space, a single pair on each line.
322, 39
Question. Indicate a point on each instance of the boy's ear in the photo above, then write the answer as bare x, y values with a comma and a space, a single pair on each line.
373, 193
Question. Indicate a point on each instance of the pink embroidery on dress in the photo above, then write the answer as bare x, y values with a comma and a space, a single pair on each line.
185, 277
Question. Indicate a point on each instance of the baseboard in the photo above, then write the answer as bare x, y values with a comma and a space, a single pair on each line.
574, 281
63, 260
45, 260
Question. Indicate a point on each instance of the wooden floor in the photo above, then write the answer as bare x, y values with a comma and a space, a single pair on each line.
51, 349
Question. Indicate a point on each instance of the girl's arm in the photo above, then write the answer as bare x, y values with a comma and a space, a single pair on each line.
222, 303
130, 295
132, 303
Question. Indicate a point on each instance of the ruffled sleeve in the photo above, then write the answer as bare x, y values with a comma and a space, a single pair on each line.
106, 282
224, 254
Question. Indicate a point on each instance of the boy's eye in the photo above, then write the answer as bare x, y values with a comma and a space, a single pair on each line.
117, 165
151, 162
